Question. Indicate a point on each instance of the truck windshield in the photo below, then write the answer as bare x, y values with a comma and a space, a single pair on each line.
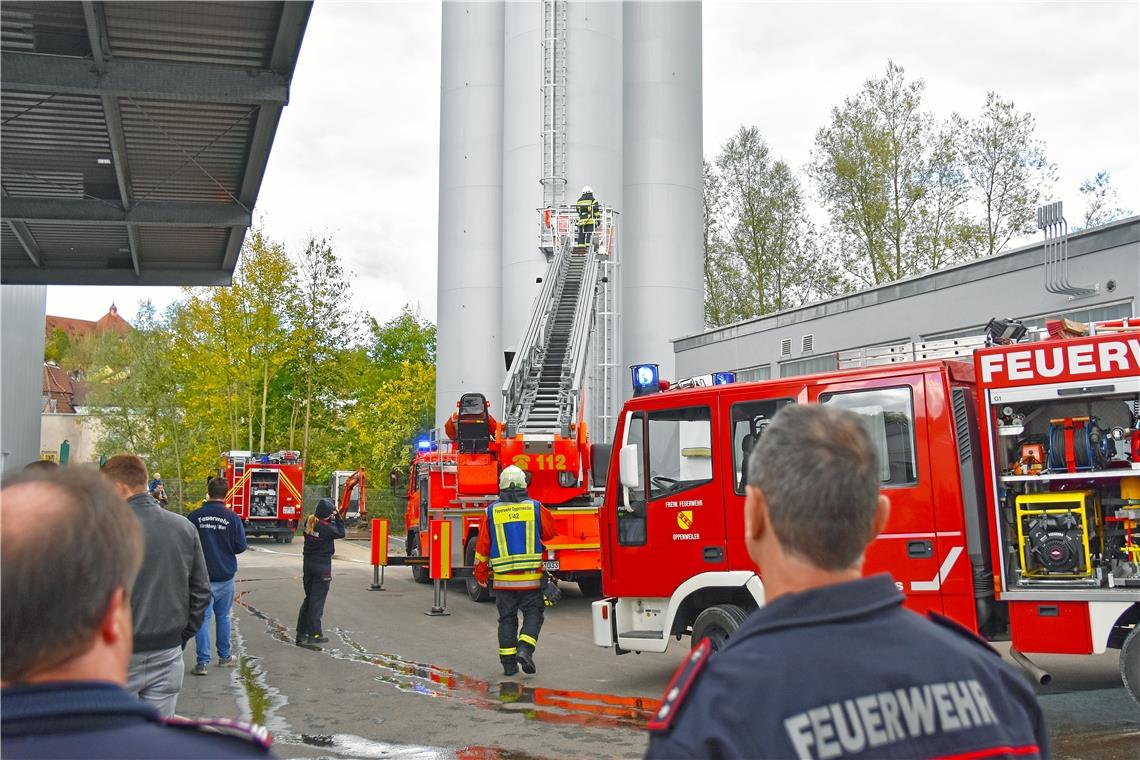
680, 450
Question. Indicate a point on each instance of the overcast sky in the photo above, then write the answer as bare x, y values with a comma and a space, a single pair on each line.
356, 156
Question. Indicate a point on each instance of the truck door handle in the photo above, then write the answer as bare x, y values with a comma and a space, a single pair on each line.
714, 554
919, 549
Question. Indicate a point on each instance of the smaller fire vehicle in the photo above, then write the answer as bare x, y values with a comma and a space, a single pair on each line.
265, 491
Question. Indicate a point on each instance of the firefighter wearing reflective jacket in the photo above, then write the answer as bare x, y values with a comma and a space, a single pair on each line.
511, 532
589, 214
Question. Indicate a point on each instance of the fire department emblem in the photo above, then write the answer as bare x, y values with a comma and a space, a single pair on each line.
685, 519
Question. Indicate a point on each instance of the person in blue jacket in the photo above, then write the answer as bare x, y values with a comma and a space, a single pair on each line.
66, 618
223, 538
322, 529
832, 665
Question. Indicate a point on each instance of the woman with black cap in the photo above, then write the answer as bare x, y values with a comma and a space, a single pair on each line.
322, 528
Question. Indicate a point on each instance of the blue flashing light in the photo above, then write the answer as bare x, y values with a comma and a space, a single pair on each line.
423, 444
724, 378
645, 379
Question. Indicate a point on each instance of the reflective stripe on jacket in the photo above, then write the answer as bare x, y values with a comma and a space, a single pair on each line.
589, 212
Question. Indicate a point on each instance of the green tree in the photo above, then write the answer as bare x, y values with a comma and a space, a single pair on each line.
872, 169
322, 329
759, 253
56, 346
1008, 172
1102, 202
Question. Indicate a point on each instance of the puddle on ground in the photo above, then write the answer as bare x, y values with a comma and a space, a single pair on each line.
259, 702
534, 703
366, 749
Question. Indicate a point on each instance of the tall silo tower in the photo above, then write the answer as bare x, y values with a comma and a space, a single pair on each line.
623, 96
662, 212
469, 357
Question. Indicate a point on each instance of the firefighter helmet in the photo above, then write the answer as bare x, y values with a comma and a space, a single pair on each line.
587, 190
512, 477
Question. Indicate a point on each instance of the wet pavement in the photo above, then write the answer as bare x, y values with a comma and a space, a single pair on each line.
394, 683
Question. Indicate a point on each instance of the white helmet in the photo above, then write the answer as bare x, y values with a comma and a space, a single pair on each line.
512, 477
587, 190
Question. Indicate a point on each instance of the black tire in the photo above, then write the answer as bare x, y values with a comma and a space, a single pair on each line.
288, 538
1130, 663
420, 573
590, 585
476, 592
278, 538
718, 623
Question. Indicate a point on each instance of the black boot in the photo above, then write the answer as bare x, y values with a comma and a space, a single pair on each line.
526, 659
510, 666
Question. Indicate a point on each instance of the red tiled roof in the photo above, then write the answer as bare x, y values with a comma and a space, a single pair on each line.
75, 328
58, 386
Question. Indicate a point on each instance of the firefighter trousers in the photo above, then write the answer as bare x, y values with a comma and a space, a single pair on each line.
510, 603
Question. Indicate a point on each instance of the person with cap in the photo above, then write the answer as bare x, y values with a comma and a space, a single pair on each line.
510, 546
833, 665
589, 214
322, 529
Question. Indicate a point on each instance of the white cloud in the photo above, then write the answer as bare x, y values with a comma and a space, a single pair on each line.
356, 154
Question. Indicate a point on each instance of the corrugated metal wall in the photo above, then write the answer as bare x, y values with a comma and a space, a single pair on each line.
22, 309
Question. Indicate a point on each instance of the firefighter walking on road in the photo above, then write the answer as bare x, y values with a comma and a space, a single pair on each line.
510, 545
589, 215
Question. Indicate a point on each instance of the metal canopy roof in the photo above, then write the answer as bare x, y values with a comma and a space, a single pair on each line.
134, 135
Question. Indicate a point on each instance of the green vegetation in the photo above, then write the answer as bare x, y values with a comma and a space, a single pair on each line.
904, 192
278, 360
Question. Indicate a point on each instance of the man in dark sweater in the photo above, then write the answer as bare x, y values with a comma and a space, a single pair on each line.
223, 538
171, 593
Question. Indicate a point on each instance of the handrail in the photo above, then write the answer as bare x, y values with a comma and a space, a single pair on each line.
579, 347
533, 338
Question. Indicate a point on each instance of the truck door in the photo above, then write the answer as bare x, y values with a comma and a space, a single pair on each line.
671, 526
893, 410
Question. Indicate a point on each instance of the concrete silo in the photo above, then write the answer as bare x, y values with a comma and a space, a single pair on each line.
662, 211
469, 357
522, 260
594, 101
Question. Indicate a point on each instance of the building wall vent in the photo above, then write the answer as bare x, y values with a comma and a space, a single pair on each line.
786, 347
806, 343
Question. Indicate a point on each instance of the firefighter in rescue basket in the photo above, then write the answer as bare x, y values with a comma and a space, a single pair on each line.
510, 545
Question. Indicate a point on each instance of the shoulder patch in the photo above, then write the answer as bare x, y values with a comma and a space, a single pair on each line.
679, 686
953, 625
250, 733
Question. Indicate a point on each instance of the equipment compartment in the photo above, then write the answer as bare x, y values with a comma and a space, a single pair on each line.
1069, 490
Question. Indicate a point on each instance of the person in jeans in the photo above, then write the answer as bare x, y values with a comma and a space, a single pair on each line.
322, 528
223, 538
171, 593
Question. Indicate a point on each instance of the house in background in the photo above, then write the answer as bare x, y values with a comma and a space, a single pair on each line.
63, 414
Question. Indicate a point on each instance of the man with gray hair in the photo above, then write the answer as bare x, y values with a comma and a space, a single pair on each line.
833, 665
65, 618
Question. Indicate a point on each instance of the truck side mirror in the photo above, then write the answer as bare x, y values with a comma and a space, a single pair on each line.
629, 464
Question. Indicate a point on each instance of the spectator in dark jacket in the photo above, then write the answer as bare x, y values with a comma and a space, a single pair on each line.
223, 538
66, 621
171, 594
322, 528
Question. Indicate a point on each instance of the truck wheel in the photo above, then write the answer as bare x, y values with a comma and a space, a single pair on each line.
474, 590
419, 573
717, 623
1130, 663
590, 585
288, 538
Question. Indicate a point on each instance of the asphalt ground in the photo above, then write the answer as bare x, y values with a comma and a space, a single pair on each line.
395, 683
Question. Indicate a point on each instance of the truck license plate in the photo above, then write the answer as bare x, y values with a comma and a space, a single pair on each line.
550, 564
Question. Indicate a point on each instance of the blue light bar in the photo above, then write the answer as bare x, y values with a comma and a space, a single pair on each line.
423, 444
645, 379
724, 378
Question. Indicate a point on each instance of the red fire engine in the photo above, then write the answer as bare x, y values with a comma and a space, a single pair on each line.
265, 491
457, 479
1014, 483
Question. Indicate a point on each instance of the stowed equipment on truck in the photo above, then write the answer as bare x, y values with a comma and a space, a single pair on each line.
1014, 481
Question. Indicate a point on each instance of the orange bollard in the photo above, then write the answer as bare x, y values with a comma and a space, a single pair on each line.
439, 563
379, 552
